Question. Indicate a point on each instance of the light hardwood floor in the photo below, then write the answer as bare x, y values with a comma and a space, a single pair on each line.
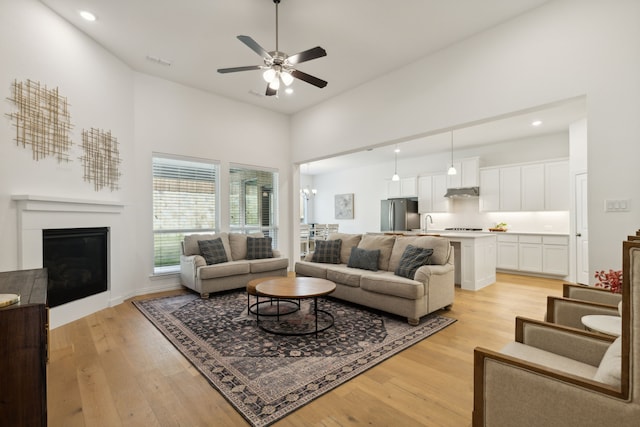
114, 368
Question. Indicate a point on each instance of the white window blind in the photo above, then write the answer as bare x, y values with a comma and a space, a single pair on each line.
184, 202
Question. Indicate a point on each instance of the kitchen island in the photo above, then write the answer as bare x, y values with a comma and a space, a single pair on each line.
475, 256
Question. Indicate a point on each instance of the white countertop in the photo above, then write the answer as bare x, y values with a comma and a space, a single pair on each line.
494, 233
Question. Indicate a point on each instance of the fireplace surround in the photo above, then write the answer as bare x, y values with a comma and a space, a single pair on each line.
36, 213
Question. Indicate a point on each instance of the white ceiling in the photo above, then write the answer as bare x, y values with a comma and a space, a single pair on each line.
364, 39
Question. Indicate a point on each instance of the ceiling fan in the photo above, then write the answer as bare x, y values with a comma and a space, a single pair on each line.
278, 66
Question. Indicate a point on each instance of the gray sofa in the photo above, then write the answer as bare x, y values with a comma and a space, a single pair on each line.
431, 289
235, 273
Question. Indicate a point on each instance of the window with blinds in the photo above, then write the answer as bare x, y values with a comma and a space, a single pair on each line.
184, 202
253, 201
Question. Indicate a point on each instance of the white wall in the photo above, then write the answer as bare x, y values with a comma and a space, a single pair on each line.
145, 114
178, 120
564, 49
369, 185
40, 46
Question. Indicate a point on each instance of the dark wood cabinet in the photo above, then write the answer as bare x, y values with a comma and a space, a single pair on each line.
23, 349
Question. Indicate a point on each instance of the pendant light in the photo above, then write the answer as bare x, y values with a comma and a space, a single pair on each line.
452, 170
395, 176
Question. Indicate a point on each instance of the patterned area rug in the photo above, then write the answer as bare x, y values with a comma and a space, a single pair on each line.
266, 376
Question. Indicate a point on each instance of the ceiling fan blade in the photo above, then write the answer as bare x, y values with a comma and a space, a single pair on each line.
308, 78
236, 69
307, 55
270, 92
253, 45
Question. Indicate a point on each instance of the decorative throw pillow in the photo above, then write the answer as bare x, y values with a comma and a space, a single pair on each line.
610, 369
362, 258
327, 251
412, 259
212, 251
259, 247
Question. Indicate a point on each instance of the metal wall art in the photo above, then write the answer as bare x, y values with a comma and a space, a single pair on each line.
42, 120
101, 159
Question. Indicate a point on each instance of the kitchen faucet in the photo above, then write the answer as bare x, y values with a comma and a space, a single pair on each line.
426, 226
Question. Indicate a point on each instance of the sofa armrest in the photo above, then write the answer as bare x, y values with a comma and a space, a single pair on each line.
424, 273
576, 344
189, 269
569, 312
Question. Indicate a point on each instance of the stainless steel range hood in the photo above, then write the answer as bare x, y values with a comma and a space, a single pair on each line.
463, 192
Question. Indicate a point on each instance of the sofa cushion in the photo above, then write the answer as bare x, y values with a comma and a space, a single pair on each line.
383, 243
344, 275
268, 264
212, 251
259, 247
311, 269
389, 284
191, 243
412, 259
364, 259
348, 242
440, 246
327, 251
231, 268
238, 244
610, 369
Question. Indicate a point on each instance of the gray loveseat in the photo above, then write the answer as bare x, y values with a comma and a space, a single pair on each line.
431, 289
235, 273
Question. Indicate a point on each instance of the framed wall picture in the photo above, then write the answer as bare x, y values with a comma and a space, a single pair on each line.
344, 206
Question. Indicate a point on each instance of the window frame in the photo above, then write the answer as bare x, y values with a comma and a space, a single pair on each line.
271, 230
162, 270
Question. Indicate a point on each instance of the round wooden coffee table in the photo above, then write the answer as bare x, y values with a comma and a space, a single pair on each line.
288, 288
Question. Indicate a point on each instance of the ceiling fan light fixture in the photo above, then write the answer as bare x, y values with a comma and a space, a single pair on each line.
275, 83
268, 75
287, 78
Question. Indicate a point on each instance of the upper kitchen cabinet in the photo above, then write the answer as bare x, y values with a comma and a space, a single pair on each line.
468, 173
405, 187
556, 185
431, 191
529, 187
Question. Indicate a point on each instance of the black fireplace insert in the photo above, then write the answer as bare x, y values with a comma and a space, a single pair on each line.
77, 263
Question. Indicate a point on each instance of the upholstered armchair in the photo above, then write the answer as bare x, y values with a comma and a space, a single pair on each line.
553, 375
578, 301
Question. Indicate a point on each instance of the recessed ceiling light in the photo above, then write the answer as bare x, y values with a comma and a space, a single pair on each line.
536, 123
288, 90
88, 15
397, 150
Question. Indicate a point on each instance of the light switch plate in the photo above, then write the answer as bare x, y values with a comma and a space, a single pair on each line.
617, 205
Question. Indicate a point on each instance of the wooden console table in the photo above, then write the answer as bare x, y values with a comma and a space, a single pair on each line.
23, 350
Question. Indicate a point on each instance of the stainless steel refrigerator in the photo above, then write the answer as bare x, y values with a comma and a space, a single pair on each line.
399, 215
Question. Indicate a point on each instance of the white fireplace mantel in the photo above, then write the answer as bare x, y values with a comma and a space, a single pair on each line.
36, 213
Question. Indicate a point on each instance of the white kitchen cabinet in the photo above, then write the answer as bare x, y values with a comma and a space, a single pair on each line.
409, 187
532, 187
510, 191
468, 173
405, 187
489, 190
431, 191
556, 184
555, 255
507, 252
425, 194
393, 189
439, 185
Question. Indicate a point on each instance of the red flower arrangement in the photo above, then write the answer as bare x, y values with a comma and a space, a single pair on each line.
611, 280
